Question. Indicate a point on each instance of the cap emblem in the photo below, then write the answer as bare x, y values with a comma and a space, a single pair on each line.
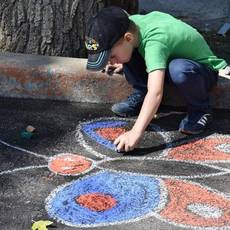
91, 44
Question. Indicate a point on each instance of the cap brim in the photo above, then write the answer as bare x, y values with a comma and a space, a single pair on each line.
98, 61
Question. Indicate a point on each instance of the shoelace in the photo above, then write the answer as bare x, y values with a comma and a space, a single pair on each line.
203, 120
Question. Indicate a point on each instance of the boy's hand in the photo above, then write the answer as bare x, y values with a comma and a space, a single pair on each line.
225, 71
127, 141
111, 69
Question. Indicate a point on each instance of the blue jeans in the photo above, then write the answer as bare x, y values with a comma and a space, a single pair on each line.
192, 79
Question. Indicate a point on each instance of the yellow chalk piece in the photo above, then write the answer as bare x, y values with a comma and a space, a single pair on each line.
41, 225
30, 128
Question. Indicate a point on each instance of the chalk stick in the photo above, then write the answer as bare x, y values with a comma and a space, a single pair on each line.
30, 129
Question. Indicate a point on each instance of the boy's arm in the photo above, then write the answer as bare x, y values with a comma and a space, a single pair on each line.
130, 139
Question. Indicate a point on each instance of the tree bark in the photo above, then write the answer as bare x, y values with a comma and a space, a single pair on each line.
50, 27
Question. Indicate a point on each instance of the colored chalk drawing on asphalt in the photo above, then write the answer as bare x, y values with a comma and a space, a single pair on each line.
70, 164
192, 205
215, 148
22, 169
127, 197
110, 133
196, 169
104, 131
97, 197
96, 201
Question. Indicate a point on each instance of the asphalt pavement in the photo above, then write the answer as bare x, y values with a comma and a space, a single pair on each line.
67, 171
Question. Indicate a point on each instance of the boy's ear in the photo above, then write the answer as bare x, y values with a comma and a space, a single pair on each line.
128, 36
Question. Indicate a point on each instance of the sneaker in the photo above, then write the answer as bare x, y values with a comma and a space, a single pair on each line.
131, 106
195, 123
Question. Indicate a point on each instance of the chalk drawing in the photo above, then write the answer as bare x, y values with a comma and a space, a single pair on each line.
115, 195
184, 200
212, 149
22, 169
223, 147
96, 129
110, 133
152, 162
24, 150
70, 164
96, 201
205, 210
133, 197
219, 154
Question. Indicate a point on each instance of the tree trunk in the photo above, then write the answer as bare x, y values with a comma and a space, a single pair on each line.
50, 27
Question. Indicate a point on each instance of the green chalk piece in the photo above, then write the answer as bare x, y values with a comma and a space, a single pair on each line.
26, 135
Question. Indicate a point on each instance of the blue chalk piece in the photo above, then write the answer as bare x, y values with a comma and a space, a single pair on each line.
26, 135
118, 151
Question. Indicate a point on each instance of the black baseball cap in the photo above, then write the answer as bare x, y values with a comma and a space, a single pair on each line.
102, 32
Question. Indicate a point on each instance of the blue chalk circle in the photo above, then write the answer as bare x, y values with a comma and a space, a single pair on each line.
136, 196
90, 130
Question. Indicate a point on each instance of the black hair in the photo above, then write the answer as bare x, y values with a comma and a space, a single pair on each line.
132, 27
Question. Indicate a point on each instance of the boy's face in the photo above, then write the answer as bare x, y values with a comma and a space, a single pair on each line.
121, 52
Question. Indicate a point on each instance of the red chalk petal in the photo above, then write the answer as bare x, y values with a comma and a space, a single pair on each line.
204, 149
182, 194
69, 164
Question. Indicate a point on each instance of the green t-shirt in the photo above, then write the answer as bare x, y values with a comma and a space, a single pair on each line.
163, 38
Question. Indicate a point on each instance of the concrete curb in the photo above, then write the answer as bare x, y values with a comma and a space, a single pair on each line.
61, 78
43, 77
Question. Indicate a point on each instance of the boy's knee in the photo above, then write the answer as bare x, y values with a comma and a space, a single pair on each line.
180, 69
177, 66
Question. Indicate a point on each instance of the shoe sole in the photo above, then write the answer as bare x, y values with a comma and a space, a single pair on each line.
191, 133
124, 114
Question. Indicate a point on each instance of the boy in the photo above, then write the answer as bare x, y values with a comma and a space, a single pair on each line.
151, 49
